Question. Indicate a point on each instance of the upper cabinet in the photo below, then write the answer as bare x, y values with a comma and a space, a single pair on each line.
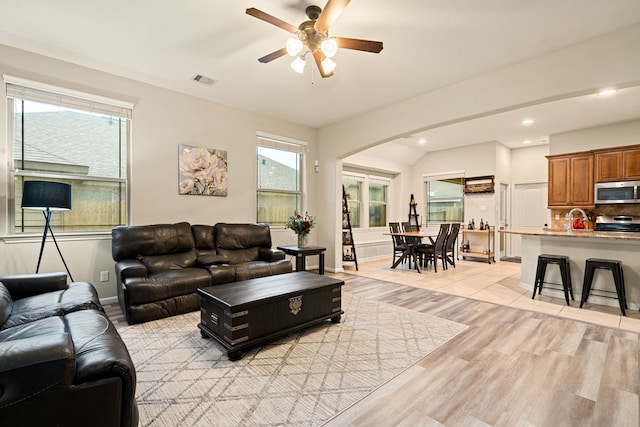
617, 164
571, 180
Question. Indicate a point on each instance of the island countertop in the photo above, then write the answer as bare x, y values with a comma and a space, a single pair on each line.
581, 234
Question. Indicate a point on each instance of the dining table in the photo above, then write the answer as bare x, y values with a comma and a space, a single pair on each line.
409, 250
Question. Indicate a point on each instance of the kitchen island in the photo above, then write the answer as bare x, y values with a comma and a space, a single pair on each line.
579, 245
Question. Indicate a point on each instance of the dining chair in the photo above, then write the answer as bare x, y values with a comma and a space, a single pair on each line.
399, 244
436, 250
410, 241
450, 245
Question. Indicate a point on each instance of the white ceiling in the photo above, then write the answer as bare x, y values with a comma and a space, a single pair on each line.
428, 44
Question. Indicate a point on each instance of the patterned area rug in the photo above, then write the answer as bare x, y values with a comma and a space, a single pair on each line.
299, 380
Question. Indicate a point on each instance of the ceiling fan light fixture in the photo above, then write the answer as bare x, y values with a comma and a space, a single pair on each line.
293, 46
328, 65
298, 65
329, 47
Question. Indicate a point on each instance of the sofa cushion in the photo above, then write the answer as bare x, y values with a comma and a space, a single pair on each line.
50, 325
241, 236
158, 263
255, 269
6, 304
239, 256
77, 296
203, 237
143, 240
165, 284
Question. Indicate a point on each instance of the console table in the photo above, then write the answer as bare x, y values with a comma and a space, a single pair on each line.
302, 252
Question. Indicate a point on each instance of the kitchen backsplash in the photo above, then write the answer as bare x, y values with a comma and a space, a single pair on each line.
611, 210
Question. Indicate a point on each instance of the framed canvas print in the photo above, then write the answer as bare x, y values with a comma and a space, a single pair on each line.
202, 171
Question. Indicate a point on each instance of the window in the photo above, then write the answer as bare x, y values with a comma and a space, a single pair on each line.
368, 196
279, 186
352, 187
378, 203
445, 199
66, 136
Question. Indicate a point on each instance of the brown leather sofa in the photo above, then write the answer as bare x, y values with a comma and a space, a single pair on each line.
160, 267
62, 362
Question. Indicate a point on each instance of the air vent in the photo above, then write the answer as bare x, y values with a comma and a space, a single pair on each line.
204, 80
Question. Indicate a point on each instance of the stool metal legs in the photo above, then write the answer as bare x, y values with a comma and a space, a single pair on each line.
618, 278
565, 274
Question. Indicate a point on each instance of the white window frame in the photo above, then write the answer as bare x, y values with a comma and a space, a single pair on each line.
437, 177
365, 202
18, 88
282, 143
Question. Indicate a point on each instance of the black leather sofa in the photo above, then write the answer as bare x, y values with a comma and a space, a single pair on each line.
160, 267
62, 362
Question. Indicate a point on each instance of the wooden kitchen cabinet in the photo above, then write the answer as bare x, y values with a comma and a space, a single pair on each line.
571, 180
618, 164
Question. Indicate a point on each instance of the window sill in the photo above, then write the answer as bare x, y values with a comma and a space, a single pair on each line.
63, 237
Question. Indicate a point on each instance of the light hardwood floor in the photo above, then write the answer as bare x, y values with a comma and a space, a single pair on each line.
521, 362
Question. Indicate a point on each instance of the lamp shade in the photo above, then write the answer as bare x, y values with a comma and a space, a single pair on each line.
55, 196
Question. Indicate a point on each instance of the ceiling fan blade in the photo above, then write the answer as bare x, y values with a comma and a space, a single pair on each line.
271, 20
330, 13
357, 44
319, 57
273, 55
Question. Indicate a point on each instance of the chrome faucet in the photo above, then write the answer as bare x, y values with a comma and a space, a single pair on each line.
569, 217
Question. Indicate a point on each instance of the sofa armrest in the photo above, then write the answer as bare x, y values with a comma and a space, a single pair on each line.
271, 255
27, 285
31, 365
130, 268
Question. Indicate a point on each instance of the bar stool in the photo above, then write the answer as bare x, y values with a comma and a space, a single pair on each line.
561, 261
615, 267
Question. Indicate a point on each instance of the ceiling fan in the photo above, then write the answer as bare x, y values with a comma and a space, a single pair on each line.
312, 36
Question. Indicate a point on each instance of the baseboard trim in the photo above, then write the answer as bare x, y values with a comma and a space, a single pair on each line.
109, 300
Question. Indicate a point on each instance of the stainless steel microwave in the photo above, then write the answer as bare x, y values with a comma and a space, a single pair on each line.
617, 192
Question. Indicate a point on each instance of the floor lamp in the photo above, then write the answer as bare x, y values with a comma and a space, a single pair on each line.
47, 196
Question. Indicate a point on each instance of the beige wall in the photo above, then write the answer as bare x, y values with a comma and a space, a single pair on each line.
615, 135
162, 119
529, 164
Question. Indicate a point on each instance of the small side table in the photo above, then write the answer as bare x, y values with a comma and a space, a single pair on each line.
302, 252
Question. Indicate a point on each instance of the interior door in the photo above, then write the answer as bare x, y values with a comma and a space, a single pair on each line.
529, 211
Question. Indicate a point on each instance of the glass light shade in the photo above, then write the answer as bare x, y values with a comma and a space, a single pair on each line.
329, 47
328, 65
293, 46
298, 65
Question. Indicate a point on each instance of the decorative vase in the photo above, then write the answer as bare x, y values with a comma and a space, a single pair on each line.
302, 240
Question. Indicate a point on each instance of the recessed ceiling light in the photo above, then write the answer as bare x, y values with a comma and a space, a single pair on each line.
527, 122
527, 141
607, 92
422, 141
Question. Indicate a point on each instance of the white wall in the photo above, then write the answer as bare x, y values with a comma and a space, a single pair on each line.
615, 135
529, 164
162, 120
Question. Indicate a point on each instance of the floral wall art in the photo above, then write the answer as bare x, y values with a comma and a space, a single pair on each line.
202, 171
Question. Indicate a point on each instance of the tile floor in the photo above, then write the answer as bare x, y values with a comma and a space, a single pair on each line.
498, 283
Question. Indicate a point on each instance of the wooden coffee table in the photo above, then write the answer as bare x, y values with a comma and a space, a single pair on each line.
242, 314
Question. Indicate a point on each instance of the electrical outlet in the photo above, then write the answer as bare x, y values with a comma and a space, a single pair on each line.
557, 217
104, 276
